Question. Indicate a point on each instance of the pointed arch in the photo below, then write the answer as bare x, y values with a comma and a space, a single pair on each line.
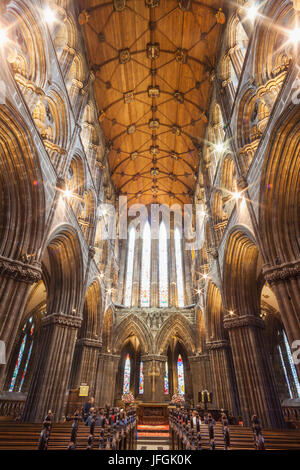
176, 325
279, 192
240, 274
108, 323
92, 312
214, 313
22, 195
63, 263
132, 326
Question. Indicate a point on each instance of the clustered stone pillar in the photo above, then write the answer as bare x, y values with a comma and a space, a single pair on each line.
201, 374
16, 278
106, 379
49, 385
255, 380
85, 363
154, 371
224, 385
285, 282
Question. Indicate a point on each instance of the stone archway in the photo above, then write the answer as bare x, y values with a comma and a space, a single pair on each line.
63, 264
22, 199
242, 285
279, 219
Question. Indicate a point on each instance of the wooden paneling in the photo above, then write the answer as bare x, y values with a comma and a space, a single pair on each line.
196, 32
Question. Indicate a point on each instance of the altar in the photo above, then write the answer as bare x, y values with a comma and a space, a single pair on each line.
153, 413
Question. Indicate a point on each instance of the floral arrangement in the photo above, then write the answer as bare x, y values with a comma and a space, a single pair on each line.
127, 398
177, 399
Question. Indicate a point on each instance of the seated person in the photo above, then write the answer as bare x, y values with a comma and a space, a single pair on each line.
86, 408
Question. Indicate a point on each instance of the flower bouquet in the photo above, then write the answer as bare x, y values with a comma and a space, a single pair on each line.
127, 398
177, 399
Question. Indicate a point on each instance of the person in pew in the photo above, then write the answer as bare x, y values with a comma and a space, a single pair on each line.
259, 441
211, 431
98, 417
87, 407
240, 421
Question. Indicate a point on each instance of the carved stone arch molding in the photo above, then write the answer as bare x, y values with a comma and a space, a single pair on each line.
279, 220
214, 314
92, 312
28, 40
107, 329
176, 325
132, 326
241, 279
269, 58
21, 190
63, 258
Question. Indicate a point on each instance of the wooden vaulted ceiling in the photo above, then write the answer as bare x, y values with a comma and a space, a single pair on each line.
153, 62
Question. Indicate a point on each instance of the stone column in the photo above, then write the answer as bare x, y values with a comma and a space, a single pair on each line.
285, 283
85, 363
154, 273
201, 374
154, 371
49, 385
255, 379
16, 278
106, 379
223, 380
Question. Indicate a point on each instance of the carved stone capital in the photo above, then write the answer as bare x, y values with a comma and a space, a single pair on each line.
296, 5
214, 253
62, 320
242, 183
90, 343
20, 271
154, 357
218, 344
282, 272
199, 358
109, 357
236, 321
61, 182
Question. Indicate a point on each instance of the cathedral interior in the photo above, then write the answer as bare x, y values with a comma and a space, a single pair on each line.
149, 210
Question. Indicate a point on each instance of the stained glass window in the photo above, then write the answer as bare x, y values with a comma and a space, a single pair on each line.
19, 360
293, 368
141, 381
163, 266
24, 355
180, 375
146, 266
25, 368
127, 369
166, 379
285, 371
129, 274
179, 272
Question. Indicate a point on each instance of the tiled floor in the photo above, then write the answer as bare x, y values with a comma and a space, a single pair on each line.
152, 448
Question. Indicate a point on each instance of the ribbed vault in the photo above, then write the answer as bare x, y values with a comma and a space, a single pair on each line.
154, 64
